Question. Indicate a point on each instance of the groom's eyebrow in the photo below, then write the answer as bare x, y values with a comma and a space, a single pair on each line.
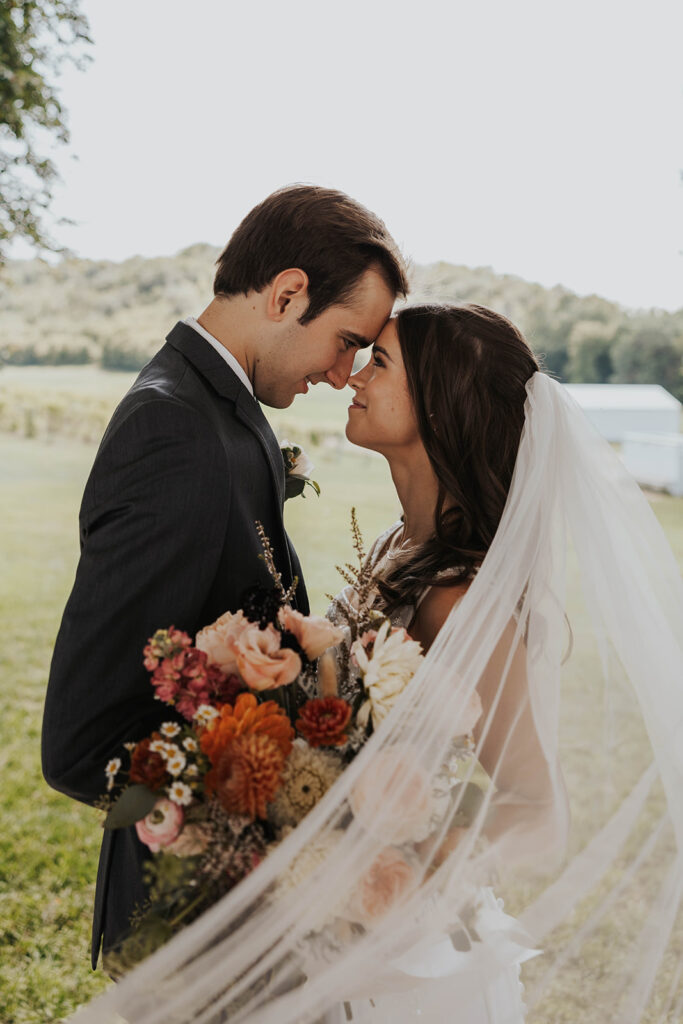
358, 339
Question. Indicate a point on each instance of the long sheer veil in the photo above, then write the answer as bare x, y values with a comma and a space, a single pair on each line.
578, 755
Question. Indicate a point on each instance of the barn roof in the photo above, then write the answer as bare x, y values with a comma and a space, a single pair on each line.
622, 396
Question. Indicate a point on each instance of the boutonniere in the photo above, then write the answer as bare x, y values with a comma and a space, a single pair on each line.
298, 468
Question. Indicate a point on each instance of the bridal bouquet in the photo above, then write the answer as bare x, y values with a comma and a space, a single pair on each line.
230, 774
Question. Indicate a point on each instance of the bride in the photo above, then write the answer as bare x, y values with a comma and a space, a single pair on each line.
442, 399
382, 904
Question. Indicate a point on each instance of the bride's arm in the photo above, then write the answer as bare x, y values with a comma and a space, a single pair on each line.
528, 811
529, 806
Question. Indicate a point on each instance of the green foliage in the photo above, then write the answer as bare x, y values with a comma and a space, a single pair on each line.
590, 351
650, 353
48, 844
36, 38
118, 314
122, 357
34, 355
134, 803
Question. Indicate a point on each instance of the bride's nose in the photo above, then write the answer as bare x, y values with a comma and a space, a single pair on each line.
359, 380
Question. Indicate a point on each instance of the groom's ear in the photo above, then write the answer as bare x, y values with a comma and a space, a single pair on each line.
287, 295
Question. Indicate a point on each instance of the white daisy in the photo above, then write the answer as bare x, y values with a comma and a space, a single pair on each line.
111, 770
176, 763
170, 750
180, 794
169, 730
205, 715
130, 747
158, 746
192, 770
190, 744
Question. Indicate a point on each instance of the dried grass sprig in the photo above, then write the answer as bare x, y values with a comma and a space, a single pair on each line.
269, 559
362, 579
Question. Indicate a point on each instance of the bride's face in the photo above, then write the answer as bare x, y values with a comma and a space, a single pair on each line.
381, 416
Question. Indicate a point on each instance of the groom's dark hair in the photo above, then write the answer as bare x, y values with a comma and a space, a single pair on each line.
319, 230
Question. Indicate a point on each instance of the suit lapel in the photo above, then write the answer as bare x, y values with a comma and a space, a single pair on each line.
250, 413
218, 374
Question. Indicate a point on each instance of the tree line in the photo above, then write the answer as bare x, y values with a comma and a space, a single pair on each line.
117, 314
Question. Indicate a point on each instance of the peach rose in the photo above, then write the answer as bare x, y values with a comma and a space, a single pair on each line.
261, 662
216, 640
313, 633
161, 826
398, 781
389, 879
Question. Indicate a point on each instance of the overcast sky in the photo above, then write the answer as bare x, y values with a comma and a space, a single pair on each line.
543, 139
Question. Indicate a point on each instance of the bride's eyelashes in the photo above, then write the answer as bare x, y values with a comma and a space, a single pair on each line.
377, 360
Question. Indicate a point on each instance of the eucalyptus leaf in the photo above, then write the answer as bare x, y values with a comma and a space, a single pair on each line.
133, 804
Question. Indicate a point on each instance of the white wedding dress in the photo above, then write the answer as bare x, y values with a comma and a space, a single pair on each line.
454, 971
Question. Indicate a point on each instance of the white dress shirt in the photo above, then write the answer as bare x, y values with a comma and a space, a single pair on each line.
222, 351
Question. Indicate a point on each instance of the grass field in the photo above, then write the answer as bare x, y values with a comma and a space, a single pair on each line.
49, 844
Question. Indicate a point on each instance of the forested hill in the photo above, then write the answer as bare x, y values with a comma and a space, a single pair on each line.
117, 314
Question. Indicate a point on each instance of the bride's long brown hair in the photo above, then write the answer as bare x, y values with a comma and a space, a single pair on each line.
467, 370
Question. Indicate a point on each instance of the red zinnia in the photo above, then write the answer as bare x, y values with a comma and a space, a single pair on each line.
322, 721
147, 766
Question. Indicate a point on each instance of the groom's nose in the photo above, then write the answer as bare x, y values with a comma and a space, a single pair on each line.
340, 371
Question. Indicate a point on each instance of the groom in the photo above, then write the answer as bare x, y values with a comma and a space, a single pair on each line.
186, 465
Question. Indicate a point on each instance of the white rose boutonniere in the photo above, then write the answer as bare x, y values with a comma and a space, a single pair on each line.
298, 468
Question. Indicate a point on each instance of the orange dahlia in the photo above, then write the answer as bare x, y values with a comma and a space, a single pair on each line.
247, 775
245, 718
322, 721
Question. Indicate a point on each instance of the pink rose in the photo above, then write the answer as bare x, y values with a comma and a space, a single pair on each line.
367, 641
369, 637
388, 880
193, 839
395, 798
161, 826
261, 662
216, 640
313, 633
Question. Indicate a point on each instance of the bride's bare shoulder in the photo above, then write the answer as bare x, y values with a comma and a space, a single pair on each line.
434, 609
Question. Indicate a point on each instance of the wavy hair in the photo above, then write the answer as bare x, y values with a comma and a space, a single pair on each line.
467, 370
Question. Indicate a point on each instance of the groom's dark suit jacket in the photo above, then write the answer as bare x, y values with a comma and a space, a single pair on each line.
187, 464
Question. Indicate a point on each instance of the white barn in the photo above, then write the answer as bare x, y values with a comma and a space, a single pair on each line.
655, 460
618, 409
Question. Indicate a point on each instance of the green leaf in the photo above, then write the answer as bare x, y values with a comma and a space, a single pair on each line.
133, 804
468, 803
294, 486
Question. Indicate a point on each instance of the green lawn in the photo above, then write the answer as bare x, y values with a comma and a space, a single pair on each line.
49, 844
